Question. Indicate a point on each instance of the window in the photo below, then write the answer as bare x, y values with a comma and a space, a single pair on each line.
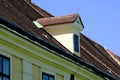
4, 68
76, 43
47, 77
72, 77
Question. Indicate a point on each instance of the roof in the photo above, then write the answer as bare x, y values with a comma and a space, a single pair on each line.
23, 12
117, 58
39, 10
58, 20
74, 59
97, 55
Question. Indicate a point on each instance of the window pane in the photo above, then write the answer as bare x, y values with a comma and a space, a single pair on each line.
5, 78
6, 66
51, 78
0, 77
76, 43
45, 77
0, 64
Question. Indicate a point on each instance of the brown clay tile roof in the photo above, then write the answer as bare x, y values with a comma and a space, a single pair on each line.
97, 55
22, 13
113, 55
57, 20
39, 10
117, 57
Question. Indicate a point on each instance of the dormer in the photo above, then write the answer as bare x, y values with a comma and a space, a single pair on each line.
65, 29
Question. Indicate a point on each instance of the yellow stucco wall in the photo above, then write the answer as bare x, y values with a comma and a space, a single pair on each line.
17, 70
36, 72
59, 77
64, 33
67, 39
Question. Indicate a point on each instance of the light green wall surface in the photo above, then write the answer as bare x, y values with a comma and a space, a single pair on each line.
22, 49
17, 70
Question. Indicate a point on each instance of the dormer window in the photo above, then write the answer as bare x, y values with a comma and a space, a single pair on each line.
76, 43
65, 29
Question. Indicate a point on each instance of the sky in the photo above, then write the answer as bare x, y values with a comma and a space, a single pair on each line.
101, 18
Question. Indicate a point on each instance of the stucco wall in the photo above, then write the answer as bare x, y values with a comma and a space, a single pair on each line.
29, 60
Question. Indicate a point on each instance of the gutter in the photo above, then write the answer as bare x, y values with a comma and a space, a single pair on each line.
58, 50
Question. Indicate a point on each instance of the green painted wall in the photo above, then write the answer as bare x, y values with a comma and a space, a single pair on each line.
36, 72
59, 77
17, 70
40, 59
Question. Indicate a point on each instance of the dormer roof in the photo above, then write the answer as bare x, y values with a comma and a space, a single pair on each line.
47, 21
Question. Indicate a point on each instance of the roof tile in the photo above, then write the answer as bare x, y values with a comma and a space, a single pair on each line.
97, 55
22, 13
57, 20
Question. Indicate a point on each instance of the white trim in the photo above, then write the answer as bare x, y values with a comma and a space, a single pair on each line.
5, 54
79, 25
27, 70
37, 24
27, 76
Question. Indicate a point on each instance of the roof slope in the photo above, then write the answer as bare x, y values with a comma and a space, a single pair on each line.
22, 13
115, 57
97, 55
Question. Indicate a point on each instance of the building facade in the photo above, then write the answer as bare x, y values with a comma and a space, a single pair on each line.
30, 50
